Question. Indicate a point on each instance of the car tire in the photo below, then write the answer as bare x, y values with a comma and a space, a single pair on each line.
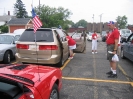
122, 54
54, 92
7, 57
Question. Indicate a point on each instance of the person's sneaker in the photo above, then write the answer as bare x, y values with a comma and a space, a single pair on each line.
109, 73
70, 58
92, 52
112, 76
95, 52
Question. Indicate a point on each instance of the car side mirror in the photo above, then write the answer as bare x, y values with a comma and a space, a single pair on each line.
15, 42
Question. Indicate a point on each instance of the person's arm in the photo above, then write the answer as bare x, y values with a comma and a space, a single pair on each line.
116, 46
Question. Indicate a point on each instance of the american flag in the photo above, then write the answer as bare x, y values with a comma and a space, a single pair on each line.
36, 21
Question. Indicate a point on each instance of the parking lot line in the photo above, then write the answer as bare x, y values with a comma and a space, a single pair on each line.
98, 80
122, 70
66, 63
14, 62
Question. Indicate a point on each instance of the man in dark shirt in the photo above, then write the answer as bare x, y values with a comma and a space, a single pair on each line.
112, 45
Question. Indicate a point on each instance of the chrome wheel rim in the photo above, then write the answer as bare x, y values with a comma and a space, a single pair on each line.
122, 53
9, 58
54, 94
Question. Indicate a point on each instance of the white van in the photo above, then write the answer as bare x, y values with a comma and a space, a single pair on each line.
19, 31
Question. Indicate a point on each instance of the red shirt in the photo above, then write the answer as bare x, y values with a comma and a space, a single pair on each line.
94, 36
71, 42
114, 35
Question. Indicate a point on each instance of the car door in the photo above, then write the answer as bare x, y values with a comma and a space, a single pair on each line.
130, 47
80, 42
64, 43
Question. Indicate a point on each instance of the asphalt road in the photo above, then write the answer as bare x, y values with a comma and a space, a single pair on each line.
84, 77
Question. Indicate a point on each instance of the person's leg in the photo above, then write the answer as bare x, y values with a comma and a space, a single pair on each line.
93, 46
114, 74
71, 53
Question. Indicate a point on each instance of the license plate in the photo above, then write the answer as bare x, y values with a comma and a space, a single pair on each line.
32, 47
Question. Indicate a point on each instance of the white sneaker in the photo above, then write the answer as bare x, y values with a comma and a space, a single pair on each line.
70, 58
95, 52
92, 52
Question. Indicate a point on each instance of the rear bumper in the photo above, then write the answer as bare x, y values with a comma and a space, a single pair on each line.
52, 60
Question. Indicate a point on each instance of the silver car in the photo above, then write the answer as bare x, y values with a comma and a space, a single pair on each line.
8, 46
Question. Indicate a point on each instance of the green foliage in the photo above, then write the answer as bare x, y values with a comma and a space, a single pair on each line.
121, 21
4, 29
20, 10
80, 23
53, 17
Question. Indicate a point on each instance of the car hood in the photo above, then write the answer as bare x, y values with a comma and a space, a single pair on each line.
25, 74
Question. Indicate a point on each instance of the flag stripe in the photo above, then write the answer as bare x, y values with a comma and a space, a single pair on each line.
36, 21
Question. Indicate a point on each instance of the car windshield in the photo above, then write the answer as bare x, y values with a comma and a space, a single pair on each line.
90, 34
6, 39
103, 33
126, 34
41, 36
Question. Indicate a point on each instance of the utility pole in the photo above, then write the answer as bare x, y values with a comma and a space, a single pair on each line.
93, 22
100, 23
39, 7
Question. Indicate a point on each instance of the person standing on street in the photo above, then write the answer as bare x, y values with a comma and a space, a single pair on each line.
94, 42
112, 45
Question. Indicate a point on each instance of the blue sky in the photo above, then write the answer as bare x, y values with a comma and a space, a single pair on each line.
81, 9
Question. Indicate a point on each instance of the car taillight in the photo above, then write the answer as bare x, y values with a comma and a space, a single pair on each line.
48, 47
22, 46
29, 95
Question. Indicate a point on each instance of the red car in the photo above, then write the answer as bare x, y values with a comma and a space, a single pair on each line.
26, 81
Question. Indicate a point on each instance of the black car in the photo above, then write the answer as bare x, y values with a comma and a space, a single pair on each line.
127, 48
104, 34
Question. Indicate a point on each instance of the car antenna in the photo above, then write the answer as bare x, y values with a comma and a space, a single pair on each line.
37, 56
36, 24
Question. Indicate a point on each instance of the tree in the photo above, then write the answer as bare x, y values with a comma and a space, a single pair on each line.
4, 29
81, 23
20, 10
121, 21
53, 17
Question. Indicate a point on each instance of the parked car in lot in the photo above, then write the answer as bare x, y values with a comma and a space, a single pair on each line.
80, 42
26, 81
124, 37
89, 36
127, 48
104, 35
8, 46
47, 46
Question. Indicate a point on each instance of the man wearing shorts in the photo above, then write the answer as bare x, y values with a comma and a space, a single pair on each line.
112, 45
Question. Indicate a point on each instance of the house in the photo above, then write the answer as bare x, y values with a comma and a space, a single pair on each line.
19, 23
4, 19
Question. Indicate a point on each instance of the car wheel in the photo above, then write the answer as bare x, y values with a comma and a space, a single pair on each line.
7, 58
122, 54
54, 93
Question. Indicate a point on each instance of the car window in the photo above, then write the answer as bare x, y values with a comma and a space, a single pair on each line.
6, 39
76, 36
130, 39
16, 37
42, 35
60, 32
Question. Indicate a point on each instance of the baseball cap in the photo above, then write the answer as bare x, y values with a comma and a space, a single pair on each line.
111, 22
